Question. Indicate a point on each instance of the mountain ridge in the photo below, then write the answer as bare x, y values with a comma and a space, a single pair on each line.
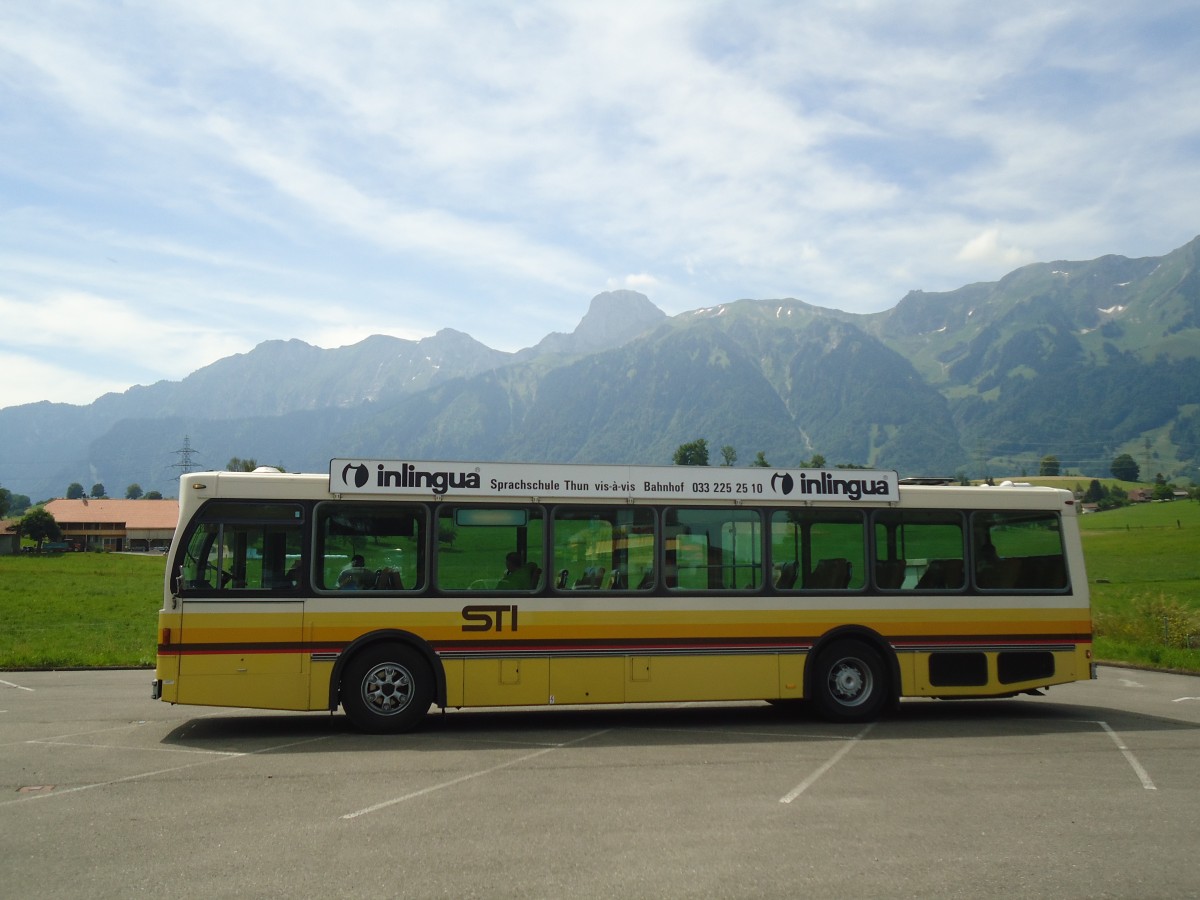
1077, 359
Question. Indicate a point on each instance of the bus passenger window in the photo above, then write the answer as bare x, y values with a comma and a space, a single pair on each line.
370, 547
919, 550
713, 549
489, 548
1020, 551
603, 548
818, 550
245, 547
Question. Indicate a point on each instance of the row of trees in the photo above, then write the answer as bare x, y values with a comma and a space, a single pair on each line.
75, 490
132, 492
1112, 496
695, 453
39, 525
1123, 467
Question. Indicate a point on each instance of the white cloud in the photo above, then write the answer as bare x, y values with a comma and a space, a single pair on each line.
989, 248
33, 379
642, 281
206, 176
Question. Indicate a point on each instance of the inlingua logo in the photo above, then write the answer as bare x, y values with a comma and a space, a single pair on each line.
406, 477
360, 477
781, 483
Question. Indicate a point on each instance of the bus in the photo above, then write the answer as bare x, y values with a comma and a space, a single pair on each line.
387, 587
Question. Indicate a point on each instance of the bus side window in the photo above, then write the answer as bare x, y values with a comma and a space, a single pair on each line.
818, 549
1021, 551
245, 547
370, 547
713, 549
603, 548
201, 567
490, 548
919, 550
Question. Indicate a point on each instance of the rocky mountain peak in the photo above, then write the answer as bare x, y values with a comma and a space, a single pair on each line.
615, 317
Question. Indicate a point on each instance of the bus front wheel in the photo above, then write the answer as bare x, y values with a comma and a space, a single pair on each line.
387, 690
849, 683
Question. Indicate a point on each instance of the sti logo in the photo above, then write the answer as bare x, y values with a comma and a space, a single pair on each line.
360, 477
781, 483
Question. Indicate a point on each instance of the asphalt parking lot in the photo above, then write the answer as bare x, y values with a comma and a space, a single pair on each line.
1091, 791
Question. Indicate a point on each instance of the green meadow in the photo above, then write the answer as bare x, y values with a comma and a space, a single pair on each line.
1144, 571
99, 609
79, 609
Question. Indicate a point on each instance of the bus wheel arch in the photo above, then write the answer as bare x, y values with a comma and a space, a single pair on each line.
852, 675
402, 641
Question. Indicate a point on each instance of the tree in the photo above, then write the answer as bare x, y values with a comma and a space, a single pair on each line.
1162, 490
1050, 466
760, 461
5, 501
98, 491
1125, 468
693, 453
728, 455
75, 491
1095, 492
152, 495
241, 465
133, 492
39, 525
817, 462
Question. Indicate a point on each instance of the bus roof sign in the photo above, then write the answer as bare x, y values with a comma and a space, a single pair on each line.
466, 480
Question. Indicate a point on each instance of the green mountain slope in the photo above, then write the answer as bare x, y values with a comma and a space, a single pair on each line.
1081, 360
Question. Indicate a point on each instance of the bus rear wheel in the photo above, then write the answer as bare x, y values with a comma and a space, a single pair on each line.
387, 690
850, 682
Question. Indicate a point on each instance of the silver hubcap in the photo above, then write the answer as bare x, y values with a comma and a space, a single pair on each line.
850, 682
387, 689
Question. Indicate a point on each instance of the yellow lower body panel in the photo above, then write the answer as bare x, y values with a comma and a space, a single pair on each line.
257, 690
523, 681
697, 678
535, 681
597, 680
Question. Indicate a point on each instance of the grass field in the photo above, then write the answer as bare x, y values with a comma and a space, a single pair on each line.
93, 609
1144, 569
79, 609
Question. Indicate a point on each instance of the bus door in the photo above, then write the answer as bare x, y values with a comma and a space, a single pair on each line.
240, 585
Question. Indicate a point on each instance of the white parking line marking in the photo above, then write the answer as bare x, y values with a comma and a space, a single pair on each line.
453, 781
146, 749
1181, 699
825, 767
1141, 773
19, 687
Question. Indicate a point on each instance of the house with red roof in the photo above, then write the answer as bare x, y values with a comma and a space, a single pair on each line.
104, 524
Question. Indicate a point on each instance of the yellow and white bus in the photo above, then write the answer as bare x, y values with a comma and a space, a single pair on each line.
388, 586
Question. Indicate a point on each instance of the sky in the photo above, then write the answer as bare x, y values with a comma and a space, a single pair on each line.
180, 181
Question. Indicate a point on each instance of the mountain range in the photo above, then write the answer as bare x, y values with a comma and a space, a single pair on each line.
1079, 360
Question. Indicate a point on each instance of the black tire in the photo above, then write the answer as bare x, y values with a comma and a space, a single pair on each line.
387, 689
849, 682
